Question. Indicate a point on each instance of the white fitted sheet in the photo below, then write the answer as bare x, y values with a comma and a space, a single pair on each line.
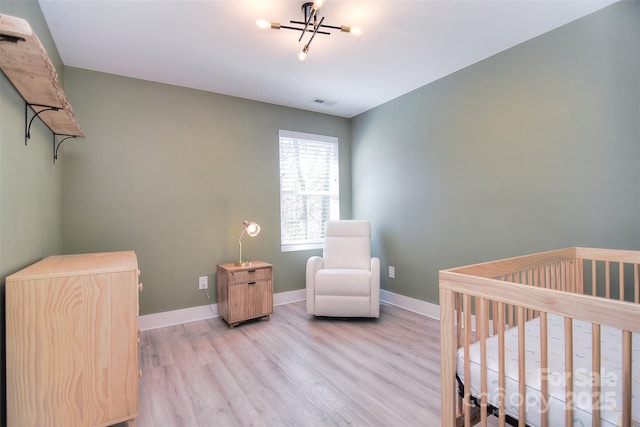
611, 368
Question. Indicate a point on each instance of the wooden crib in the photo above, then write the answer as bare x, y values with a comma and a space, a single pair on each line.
509, 335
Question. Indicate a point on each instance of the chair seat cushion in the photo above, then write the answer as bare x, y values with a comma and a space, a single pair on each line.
343, 282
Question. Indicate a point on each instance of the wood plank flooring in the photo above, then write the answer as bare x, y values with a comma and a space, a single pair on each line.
294, 370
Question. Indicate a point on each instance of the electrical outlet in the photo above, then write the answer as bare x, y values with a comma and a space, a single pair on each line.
203, 282
392, 272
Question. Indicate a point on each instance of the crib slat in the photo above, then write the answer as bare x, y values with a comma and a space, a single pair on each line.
607, 279
459, 338
521, 368
568, 362
636, 282
529, 281
467, 369
482, 323
536, 283
594, 287
458, 308
578, 276
596, 396
544, 366
626, 378
559, 277
621, 280
510, 321
501, 368
494, 317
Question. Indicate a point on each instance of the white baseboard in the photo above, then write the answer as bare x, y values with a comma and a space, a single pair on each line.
417, 306
288, 297
192, 314
177, 317
202, 312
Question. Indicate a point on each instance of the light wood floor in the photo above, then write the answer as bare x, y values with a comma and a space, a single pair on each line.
294, 370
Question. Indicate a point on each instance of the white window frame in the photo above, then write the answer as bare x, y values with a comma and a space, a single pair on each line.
333, 193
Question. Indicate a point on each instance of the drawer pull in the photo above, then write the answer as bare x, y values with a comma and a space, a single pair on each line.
252, 283
140, 287
253, 270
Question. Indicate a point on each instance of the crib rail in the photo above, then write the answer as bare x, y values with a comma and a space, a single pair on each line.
599, 286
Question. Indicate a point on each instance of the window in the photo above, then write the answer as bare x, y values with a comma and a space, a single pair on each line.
309, 191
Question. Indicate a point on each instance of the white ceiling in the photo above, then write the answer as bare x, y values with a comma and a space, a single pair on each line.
215, 46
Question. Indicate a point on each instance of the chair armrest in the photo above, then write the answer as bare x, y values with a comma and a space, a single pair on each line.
314, 264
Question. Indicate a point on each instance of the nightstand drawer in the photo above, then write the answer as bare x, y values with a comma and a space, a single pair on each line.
251, 275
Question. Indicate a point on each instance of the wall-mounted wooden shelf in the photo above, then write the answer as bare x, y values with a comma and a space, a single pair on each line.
26, 64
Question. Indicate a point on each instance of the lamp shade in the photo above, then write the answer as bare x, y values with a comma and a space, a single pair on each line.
253, 228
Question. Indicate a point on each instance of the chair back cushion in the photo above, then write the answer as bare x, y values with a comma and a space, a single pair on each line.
347, 244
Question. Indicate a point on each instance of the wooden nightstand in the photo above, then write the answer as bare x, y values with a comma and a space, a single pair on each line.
244, 292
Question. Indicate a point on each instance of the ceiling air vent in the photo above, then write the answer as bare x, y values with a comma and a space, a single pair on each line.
326, 102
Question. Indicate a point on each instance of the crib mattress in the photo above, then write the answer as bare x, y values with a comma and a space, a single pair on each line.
611, 373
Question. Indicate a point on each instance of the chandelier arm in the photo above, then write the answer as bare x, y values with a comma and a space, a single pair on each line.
306, 24
333, 27
286, 27
314, 33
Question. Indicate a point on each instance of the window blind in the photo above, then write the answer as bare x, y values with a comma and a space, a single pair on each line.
309, 188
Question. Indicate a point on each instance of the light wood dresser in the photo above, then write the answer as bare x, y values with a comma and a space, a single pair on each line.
244, 292
72, 341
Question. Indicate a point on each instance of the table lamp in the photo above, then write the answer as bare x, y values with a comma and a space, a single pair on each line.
252, 229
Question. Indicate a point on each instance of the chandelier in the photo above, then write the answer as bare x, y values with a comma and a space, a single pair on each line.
313, 24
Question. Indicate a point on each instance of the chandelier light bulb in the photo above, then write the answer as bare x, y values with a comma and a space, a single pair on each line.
302, 55
263, 24
353, 30
317, 4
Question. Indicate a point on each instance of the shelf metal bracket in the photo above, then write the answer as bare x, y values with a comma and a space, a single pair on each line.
56, 147
27, 122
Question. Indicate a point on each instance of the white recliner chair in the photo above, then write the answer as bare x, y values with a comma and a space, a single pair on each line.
345, 281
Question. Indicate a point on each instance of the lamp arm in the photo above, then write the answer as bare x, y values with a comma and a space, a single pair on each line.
240, 244
242, 234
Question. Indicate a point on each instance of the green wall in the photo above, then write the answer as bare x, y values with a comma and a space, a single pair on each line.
535, 148
30, 185
171, 173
